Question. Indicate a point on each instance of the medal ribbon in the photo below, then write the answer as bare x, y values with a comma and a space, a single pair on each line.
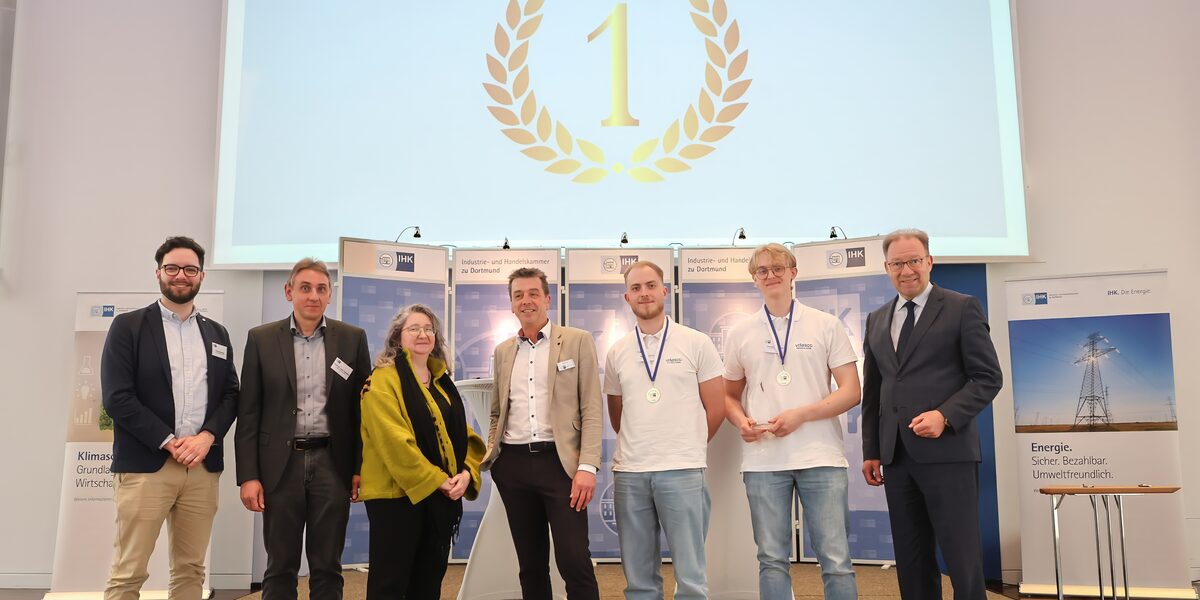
662, 346
781, 350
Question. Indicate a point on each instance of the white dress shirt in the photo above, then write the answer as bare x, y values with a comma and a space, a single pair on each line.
189, 371
901, 313
529, 392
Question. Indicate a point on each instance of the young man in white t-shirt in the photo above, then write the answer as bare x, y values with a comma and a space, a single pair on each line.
777, 393
664, 387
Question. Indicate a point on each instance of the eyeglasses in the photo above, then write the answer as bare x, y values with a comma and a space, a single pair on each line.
762, 272
418, 330
898, 265
173, 270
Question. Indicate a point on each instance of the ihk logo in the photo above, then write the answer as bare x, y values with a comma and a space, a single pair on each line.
1041, 298
386, 260
834, 259
608, 264
628, 259
856, 257
108, 310
406, 261
1026, 299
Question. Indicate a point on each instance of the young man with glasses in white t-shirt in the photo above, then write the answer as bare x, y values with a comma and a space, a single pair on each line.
778, 366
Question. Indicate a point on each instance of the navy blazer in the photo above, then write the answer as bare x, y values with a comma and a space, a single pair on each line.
949, 364
135, 379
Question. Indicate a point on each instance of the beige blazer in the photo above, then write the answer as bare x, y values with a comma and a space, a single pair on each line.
575, 405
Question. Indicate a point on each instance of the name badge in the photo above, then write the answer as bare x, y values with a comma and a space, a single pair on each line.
341, 368
769, 348
566, 364
219, 351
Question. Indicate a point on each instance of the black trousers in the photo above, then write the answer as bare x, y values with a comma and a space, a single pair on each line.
537, 497
309, 507
408, 557
935, 505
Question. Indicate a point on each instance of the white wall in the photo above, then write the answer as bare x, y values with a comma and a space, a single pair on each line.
1110, 91
111, 148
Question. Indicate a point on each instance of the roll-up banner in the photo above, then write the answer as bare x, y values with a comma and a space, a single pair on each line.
1094, 404
596, 303
845, 278
83, 549
377, 279
483, 317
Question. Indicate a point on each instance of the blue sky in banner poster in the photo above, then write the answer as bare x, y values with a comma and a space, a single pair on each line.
1139, 376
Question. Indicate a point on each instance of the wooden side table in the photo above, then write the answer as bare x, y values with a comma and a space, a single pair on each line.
1116, 492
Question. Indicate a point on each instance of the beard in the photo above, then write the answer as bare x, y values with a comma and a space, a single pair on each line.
648, 311
178, 297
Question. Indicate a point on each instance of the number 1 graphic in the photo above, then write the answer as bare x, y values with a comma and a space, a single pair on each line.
619, 67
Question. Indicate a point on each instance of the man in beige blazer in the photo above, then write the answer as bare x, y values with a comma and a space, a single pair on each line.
544, 441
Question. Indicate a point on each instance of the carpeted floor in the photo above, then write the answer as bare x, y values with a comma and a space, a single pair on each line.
873, 583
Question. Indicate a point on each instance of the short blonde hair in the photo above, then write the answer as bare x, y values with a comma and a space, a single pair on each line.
776, 251
643, 263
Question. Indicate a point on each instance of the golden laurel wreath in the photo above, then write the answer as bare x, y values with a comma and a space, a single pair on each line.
526, 125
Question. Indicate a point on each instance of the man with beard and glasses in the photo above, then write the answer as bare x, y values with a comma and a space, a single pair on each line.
665, 401
170, 386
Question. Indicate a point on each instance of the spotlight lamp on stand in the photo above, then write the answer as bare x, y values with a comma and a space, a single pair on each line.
416, 232
740, 234
624, 238
505, 246
833, 232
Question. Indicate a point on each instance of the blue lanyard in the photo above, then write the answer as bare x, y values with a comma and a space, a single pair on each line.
781, 350
662, 347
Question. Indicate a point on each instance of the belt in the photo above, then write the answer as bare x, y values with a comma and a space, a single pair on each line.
532, 448
310, 443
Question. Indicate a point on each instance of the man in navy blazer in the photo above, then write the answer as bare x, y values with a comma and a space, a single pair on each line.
170, 386
929, 367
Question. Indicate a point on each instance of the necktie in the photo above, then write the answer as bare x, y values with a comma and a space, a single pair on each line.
906, 329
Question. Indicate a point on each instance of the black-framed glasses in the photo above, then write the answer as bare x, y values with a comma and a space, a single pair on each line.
763, 272
173, 270
898, 265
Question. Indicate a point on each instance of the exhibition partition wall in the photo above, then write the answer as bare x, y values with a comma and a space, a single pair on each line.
377, 280
714, 291
596, 303
483, 318
845, 278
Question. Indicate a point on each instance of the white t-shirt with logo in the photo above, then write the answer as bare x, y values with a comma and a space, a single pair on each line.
818, 344
671, 433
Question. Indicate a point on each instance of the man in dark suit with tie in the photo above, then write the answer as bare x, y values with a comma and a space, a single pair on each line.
170, 387
297, 440
929, 367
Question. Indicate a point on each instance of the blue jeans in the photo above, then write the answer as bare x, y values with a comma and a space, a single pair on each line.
823, 494
674, 502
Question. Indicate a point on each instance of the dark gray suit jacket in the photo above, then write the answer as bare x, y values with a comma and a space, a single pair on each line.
949, 364
267, 406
